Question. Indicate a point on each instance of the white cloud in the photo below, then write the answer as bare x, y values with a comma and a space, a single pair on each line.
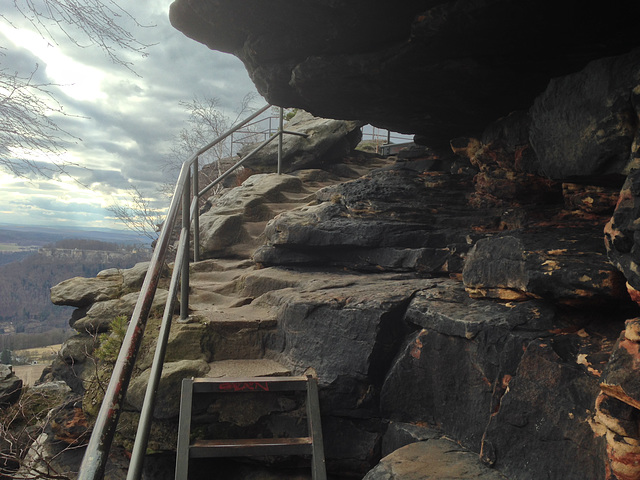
126, 122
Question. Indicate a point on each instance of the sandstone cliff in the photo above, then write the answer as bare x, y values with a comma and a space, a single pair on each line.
486, 291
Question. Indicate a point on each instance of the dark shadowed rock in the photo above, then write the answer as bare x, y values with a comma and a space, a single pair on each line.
585, 123
568, 266
349, 334
504, 379
620, 378
621, 233
546, 412
452, 373
440, 69
396, 219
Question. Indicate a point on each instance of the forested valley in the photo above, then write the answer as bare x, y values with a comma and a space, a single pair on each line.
27, 316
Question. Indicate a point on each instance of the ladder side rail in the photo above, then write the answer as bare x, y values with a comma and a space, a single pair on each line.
184, 429
319, 471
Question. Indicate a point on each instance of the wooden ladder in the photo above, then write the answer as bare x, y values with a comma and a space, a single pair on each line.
255, 447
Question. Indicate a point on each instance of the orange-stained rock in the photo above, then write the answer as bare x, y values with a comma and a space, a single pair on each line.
621, 377
508, 187
617, 416
465, 147
589, 198
633, 293
624, 457
632, 329
69, 424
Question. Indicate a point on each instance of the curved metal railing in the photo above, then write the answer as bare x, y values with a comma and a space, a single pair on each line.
185, 199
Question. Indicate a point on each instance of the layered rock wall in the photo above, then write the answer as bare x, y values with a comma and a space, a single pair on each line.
478, 290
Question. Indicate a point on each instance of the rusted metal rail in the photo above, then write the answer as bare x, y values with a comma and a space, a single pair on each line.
186, 195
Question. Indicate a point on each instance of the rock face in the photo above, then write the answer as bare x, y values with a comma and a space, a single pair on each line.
476, 292
585, 123
438, 69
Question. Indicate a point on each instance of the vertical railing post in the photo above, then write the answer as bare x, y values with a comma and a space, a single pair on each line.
186, 222
196, 217
280, 134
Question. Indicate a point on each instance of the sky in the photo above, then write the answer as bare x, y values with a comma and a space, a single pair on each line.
126, 121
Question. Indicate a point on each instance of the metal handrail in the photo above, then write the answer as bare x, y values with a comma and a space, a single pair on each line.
187, 194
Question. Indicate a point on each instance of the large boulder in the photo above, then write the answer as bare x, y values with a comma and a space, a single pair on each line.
324, 142
439, 69
395, 220
621, 233
433, 459
348, 329
82, 292
584, 124
511, 380
569, 268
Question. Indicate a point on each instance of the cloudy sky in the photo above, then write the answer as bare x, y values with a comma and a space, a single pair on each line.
126, 122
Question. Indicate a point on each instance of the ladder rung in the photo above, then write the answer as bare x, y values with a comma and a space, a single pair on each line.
255, 447
249, 384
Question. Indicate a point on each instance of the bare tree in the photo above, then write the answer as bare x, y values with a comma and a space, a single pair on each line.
138, 215
25, 124
206, 122
26, 106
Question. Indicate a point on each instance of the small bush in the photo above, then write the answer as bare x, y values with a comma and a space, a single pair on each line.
110, 343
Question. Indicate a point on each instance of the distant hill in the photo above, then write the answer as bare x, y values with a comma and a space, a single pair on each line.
25, 305
25, 235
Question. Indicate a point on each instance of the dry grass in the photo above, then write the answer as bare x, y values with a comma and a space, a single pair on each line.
29, 374
40, 354
43, 355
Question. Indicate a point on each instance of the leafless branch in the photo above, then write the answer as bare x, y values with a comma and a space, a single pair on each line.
28, 108
138, 216
85, 23
25, 125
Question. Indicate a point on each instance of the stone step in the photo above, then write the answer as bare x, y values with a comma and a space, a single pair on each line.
305, 196
247, 368
434, 459
235, 333
279, 207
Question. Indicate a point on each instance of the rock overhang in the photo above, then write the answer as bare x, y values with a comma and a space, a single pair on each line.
435, 68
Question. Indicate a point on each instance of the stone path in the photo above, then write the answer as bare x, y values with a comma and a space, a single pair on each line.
224, 289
